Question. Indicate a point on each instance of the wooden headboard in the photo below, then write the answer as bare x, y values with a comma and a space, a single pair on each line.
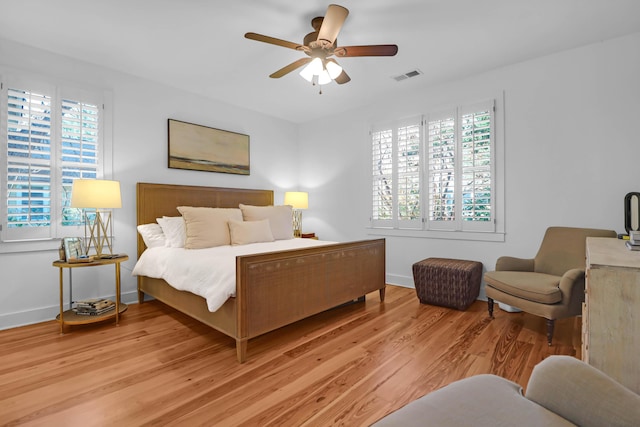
157, 200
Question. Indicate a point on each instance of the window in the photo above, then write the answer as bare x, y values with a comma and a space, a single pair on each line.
396, 174
442, 181
459, 168
50, 136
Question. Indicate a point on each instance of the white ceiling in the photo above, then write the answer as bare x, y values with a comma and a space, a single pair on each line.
199, 45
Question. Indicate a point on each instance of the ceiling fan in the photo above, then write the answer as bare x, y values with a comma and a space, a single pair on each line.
320, 45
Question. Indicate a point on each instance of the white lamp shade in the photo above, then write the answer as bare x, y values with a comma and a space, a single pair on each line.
324, 78
95, 193
297, 199
313, 68
333, 69
317, 68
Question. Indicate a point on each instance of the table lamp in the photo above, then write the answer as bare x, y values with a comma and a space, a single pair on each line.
99, 195
299, 200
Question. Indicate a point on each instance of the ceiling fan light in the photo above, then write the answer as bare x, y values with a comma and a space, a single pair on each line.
333, 69
307, 74
314, 68
324, 78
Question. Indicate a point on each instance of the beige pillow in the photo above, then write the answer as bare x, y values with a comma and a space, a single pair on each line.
280, 218
245, 232
207, 227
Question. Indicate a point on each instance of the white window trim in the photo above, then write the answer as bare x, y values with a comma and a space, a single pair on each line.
12, 76
498, 235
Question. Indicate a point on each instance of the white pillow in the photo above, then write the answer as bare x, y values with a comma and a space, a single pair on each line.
245, 232
280, 218
207, 227
152, 235
174, 230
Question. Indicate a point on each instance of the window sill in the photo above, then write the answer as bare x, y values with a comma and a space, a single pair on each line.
29, 246
433, 234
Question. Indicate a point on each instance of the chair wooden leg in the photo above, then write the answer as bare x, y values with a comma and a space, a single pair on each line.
550, 325
490, 306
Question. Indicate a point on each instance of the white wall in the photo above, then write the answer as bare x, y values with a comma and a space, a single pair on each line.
571, 149
571, 155
29, 284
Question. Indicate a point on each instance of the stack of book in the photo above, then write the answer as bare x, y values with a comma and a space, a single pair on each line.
94, 307
634, 241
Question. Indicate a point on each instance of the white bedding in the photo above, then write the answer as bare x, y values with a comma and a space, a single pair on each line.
209, 273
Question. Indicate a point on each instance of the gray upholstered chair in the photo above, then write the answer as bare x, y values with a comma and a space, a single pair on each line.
551, 285
562, 391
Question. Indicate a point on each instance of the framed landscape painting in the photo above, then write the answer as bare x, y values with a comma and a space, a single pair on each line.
202, 148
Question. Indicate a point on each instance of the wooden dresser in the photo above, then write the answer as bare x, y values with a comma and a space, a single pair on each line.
611, 312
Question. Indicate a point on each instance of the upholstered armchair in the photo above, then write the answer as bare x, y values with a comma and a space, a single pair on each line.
562, 391
551, 285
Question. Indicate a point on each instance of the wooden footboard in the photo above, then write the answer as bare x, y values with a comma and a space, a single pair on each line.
278, 288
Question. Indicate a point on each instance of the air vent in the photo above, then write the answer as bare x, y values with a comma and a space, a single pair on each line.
408, 75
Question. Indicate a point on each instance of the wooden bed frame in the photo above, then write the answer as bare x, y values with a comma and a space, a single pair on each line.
272, 289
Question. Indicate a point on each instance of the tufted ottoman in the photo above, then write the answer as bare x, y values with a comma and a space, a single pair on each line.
447, 282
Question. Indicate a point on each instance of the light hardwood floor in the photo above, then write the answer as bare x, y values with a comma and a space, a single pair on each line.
348, 366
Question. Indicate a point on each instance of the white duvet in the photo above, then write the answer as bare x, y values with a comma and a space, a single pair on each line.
209, 273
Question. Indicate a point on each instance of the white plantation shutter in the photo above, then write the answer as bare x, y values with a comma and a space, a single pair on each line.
477, 188
382, 176
441, 170
80, 133
48, 140
396, 172
28, 160
409, 175
460, 168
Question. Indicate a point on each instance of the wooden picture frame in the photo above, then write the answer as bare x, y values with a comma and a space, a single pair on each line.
202, 148
73, 247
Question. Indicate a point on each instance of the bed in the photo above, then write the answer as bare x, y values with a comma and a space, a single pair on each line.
273, 289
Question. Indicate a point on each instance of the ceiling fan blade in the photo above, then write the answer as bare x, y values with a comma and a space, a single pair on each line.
289, 68
343, 77
332, 23
275, 41
369, 50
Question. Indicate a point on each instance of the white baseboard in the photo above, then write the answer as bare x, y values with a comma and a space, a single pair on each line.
508, 308
37, 315
44, 314
395, 279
